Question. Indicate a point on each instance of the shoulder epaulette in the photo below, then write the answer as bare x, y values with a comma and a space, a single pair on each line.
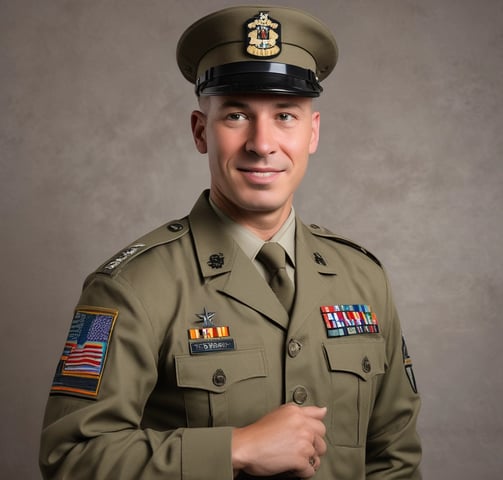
165, 234
323, 232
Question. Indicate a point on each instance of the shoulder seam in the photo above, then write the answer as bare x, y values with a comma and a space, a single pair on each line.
164, 234
323, 232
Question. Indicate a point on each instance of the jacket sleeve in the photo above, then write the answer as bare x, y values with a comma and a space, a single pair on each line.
393, 446
102, 437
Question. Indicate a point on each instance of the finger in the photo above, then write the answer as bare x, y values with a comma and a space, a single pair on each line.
320, 446
314, 412
315, 462
311, 466
315, 426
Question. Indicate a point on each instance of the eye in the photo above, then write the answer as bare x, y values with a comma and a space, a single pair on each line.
236, 116
285, 117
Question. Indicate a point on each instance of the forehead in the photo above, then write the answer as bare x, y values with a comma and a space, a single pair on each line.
252, 101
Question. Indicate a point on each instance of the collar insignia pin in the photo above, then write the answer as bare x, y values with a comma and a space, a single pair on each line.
216, 260
319, 259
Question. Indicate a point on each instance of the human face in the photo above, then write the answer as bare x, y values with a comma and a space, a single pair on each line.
258, 149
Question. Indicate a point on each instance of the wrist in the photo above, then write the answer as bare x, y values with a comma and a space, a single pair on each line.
238, 451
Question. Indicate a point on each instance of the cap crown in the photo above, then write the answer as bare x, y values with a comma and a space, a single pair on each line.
248, 38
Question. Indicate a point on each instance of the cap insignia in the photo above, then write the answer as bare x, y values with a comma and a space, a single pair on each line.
263, 36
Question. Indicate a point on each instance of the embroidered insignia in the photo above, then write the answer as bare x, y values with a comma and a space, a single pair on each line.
209, 338
216, 260
263, 36
319, 259
81, 364
344, 320
407, 362
124, 255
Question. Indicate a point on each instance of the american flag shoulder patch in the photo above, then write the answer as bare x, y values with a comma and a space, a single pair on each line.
83, 359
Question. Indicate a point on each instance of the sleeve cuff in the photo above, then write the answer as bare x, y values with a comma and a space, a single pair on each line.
207, 453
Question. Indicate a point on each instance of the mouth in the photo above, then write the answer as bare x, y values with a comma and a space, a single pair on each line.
260, 175
260, 171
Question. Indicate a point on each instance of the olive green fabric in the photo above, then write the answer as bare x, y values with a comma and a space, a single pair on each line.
220, 37
160, 414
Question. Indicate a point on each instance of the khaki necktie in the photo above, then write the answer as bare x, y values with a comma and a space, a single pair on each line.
272, 256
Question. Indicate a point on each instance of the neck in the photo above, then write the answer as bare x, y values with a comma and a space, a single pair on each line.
262, 223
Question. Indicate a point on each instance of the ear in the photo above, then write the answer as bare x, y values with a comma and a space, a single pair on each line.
315, 132
198, 125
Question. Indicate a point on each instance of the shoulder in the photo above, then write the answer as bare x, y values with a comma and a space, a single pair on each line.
324, 233
167, 233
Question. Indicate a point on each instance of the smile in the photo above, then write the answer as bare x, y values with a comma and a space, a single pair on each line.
262, 174
260, 177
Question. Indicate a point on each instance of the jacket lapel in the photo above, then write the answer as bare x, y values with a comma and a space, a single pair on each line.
225, 266
315, 275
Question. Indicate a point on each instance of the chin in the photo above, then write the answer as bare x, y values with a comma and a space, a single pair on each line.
263, 205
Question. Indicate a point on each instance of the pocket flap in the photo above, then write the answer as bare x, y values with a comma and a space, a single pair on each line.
231, 367
364, 359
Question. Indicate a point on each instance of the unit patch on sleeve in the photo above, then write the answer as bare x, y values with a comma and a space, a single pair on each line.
407, 363
344, 320
81, 364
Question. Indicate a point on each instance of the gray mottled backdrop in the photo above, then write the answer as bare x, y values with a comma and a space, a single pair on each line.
95, 150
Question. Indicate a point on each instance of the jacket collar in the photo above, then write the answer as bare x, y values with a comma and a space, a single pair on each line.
223, 263
215, 252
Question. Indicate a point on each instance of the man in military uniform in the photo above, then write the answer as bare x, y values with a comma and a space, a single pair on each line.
237, 342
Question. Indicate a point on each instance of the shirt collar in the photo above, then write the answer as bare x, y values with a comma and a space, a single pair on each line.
251, 243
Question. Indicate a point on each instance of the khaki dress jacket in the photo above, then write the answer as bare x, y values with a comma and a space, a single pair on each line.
164, 412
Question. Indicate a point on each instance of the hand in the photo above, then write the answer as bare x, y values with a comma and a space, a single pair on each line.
288, 439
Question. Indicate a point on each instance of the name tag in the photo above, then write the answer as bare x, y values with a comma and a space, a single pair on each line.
208, 346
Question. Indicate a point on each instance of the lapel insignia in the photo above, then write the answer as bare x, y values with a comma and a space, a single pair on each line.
344, 320
319, 259
216, 260
209, 338
407, 362
263, 36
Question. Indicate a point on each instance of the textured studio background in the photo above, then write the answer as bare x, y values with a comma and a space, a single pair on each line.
95, 150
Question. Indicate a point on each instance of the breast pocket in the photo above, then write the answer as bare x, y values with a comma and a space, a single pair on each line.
220, 389
355, 367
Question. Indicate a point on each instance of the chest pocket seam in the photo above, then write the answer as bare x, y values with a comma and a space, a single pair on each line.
198, 371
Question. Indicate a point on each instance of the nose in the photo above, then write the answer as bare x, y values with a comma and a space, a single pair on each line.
261, 139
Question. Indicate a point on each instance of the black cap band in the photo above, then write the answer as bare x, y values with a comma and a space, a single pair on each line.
258, 77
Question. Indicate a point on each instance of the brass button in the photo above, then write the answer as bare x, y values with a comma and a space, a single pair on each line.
299, 395
219, 378
294, 348
366, 366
